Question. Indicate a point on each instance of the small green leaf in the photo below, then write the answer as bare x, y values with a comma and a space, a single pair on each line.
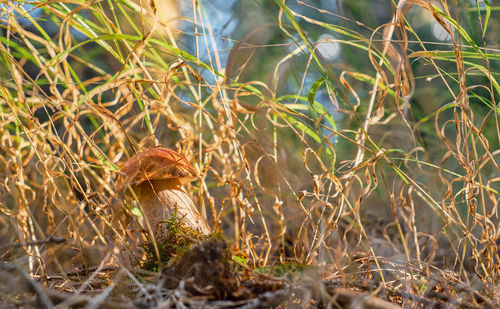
136, 211
487, 17
314, 89
240, 259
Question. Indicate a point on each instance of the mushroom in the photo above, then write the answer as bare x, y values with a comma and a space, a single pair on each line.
157, 177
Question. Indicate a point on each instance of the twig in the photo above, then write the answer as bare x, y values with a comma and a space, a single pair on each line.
75, 301
86, 272
50, 240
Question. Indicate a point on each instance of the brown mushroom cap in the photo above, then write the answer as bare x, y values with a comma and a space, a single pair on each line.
155, 164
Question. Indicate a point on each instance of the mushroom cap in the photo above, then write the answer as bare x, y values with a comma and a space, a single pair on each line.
155, 164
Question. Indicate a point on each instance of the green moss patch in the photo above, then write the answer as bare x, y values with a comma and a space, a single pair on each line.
178, 239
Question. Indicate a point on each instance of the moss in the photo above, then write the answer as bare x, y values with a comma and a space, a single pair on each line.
178, 239
282, 269
288, 268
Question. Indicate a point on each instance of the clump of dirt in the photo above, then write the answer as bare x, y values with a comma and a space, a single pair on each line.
206, 269
204, 264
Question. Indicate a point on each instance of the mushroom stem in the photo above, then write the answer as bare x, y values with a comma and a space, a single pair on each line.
160, 198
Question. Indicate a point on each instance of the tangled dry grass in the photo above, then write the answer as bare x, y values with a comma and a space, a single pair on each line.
380, 180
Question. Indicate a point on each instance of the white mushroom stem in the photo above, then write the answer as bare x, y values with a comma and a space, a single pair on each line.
159, 198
